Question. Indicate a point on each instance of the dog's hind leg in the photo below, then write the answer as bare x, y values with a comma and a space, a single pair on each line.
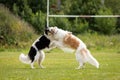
32, 62
32, 65
85, 56
79, 58
41, 59
81, 66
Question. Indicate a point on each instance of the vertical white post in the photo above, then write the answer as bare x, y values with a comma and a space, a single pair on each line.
47, 13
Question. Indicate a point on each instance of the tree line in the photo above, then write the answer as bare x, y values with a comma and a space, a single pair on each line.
34, 12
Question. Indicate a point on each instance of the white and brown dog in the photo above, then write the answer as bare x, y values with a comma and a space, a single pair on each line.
62, 39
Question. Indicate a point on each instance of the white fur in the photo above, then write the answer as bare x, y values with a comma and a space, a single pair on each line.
24, 58
83, 55
40, 56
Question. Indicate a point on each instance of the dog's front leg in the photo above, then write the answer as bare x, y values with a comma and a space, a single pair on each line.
41, 59
80, 59
52, 45
58, 44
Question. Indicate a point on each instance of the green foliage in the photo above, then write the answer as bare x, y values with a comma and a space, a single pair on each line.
38, 21
105, 25
97, 41
12, 29
60, 22
118, 25
84, 7
80, 26
114, 5
35, 17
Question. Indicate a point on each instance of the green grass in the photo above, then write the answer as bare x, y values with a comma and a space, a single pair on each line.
60, 66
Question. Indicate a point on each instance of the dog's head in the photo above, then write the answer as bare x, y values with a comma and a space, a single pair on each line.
51, 30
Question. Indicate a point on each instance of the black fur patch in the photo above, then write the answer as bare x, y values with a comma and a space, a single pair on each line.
32, 53
42, 43
46, 31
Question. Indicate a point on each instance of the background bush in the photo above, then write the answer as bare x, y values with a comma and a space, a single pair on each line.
60, 22
13, 30
105, 25
79, 26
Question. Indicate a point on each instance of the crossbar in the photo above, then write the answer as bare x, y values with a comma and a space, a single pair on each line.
84, 16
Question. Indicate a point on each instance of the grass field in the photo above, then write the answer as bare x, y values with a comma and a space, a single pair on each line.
60, 66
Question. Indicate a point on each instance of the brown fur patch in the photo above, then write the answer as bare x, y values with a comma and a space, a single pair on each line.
71, 41
83, 52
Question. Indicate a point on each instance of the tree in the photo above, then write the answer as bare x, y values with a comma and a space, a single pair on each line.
105, 25
85, 7
114, 5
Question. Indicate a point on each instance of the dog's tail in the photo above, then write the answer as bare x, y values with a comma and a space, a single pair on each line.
24, 58
92, 60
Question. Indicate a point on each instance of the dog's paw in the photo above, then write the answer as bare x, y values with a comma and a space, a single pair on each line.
33, 67
80, 67
42, 67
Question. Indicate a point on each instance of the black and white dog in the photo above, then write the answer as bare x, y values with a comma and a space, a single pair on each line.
36, 51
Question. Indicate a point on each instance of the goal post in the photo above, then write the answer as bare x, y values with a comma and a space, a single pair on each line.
81, 16
47, 13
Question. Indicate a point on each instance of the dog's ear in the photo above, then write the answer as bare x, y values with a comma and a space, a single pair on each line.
46, 28
55, 27
69, 32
